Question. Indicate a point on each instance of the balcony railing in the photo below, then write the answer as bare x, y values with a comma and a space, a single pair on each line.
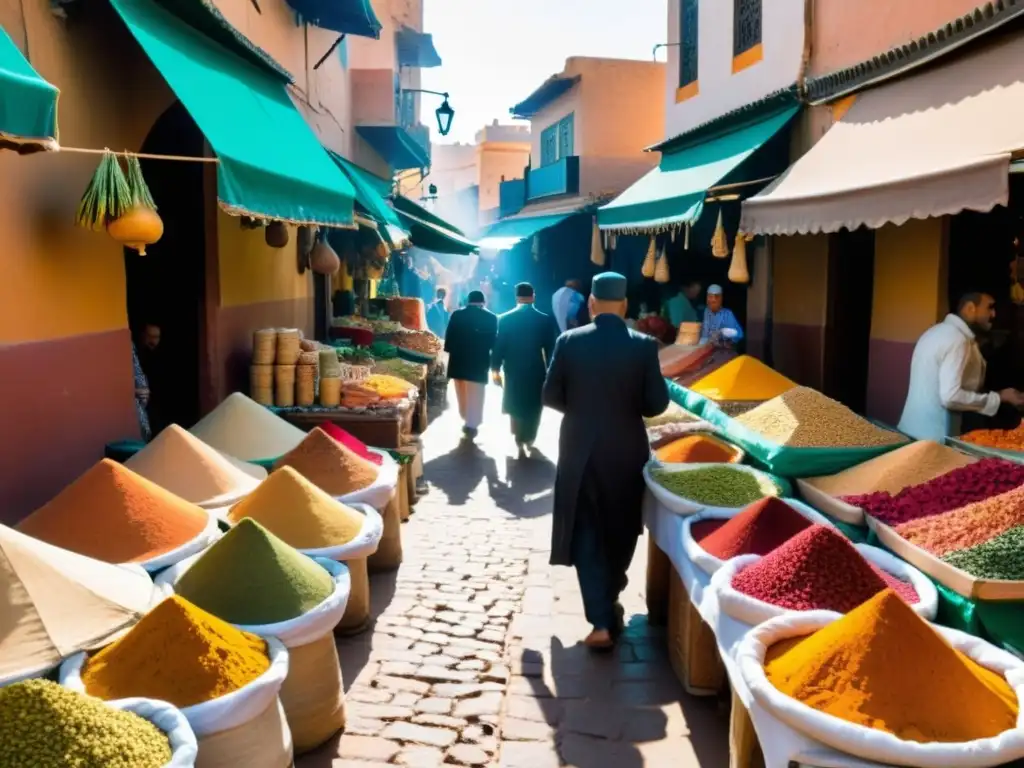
512, 197
561, 177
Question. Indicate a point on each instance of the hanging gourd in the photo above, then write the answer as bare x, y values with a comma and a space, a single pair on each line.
106, 197
322, 258
140, 225
647, 270
661, 268
738, 268
276, 234
596, 248
719, 240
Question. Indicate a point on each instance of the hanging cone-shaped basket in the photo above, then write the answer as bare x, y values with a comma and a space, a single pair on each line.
140, 225
647, 270
596, 248
719, 240
738, 268
661, 268
323, 260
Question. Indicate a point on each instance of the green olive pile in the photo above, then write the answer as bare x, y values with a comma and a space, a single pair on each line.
716, 486
44, 725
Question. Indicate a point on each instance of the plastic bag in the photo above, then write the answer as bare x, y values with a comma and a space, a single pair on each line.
870, 743
205, 538
171, 721
378, 493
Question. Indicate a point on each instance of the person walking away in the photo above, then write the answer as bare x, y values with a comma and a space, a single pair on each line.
567, 304
437, 314
947, 372
141, 396
720, 326
605, 379
523, 348
468, 342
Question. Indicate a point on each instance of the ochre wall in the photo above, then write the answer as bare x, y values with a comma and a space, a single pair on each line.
800, 293
909, 297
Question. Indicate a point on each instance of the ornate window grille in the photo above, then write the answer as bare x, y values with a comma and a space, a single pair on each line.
688, 37
746, 25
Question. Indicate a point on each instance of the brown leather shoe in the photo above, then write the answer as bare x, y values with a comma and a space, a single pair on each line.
599, 640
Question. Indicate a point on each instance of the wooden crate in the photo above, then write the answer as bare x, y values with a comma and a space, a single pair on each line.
658, 570
692, 648
744, 748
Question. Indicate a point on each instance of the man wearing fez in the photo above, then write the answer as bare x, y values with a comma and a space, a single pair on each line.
605, 378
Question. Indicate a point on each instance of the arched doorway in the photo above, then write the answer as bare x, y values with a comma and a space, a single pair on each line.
167, 286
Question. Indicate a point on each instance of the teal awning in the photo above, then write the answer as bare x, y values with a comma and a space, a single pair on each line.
430, 232
506, 233
271, 164
28, 104
395, 145
416, 49
349, 17
673, 193
368, 193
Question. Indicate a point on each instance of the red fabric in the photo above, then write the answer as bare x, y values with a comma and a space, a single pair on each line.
351, 442
361, 337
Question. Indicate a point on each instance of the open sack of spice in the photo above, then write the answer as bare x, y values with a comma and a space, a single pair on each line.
686, 489
818, 569
255, 581
232, 704
696, 447
881, 683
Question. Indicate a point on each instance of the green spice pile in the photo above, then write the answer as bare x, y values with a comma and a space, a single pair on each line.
722, 486
44, 725
805, 418
403, 369
998, 558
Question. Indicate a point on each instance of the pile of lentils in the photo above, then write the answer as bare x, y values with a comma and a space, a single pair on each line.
805, 418
967, 526
999, 558
721, 486
44, 725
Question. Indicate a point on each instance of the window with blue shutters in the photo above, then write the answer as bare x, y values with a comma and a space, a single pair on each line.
549, 145
566, 135
688, 41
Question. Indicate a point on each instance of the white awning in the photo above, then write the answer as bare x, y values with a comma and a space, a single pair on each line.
932, 144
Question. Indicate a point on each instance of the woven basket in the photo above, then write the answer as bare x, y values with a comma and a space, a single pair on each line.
305, 392
330, 366
288, 340
284, 385
261, 375
330, 392
264, 346
305, 374
263, 394
689, 334
309, 345
309, 358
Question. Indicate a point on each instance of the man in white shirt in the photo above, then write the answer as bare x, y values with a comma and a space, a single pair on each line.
947, 373
566, 305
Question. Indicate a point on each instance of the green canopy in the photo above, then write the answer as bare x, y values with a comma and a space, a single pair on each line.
674, 192
271, 164
507, 232
368, 194
430, 232
28, 104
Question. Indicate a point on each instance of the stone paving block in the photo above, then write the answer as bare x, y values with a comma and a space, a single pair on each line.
528, 754
368, 748
468, 754
420, 734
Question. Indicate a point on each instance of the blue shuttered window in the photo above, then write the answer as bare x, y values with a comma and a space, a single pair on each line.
566, 135
558, 140
549, 145
688, 41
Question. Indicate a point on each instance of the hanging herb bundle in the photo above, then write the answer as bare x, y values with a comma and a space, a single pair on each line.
139, 225
106, 198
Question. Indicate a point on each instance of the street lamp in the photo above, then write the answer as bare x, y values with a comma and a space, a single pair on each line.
445, 114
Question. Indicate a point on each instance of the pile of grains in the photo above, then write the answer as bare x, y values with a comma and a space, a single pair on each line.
805, 418
299, 513
243, 428
967, 526
723, 486
1004, 439
178, 653
353, 443
112, 514
757, 530
44, 725
186, 466
329, 465
695, 449
912, 464
960, 487
882, 666
818, 569
998, 558
743, 378
675, 413
252, 577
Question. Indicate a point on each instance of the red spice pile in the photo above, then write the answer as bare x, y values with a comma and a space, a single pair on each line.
963, 486
818, 569
757, 530
350, 441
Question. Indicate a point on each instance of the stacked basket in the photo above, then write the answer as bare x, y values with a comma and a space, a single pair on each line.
305, 377
330, 378
288, 350
261, 373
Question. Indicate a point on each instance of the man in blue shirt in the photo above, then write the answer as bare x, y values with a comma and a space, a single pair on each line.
720, 327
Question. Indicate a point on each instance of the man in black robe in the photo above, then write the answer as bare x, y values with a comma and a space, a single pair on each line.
468, 342
605, 378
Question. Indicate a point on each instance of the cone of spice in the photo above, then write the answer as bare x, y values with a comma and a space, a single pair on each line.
757, 530
695, 449
243, 428
250, 576
818, 569
112, 514
329, 465
177, 653
298, 512
883, 667
353, 443
743, 378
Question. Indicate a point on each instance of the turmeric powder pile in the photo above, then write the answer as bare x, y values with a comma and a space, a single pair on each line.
743, 378
882, 666
177, 653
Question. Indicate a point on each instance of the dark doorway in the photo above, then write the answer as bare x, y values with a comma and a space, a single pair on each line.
851, 273
167, 285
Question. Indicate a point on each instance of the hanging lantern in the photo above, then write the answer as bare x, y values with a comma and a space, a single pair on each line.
738, 268
276, 234
719, 240
661, 268
647, 270
596, 249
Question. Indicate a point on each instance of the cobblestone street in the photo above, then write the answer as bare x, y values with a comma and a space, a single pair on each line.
475, 656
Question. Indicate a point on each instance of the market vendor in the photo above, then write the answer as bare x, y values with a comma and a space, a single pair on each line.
720, 327
947, 372
682, 307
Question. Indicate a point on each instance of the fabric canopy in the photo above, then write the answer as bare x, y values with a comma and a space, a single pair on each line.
506, 233
430, 232
395, 146
28, 104
349, 17
54, 603
416, 49
368, 192
928, 145
271, 164
673, 193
